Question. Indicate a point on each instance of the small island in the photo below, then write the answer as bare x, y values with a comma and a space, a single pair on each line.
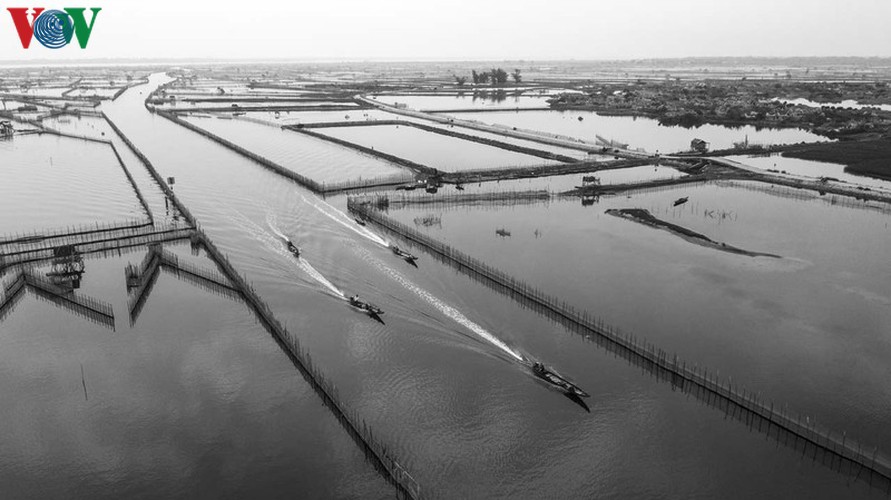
644, 216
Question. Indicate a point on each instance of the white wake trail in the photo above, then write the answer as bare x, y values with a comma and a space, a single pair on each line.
308, 269
344, 220
277, 245
444, 308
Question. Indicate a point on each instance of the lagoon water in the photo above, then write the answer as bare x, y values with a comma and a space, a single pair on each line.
216, 402
643, 133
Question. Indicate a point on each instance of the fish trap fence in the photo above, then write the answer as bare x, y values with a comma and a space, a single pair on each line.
371, 182
73, 234
145, 205
99, 243
498, 198
269, 164
87, 307
10, 295
396, 160
804, 194
690, 377
154, 173
374, 449
140, 281
492, 142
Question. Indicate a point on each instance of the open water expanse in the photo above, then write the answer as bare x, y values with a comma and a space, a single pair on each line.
195, 398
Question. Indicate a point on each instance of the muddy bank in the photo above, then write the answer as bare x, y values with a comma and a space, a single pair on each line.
643, 216
870, 158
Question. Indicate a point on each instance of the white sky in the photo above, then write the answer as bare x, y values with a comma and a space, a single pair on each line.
469, 29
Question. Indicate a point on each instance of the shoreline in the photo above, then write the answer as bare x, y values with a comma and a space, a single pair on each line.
643, 216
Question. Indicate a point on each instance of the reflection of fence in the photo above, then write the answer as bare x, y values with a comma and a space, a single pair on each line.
118, 156
738, 402
318, 187
41, 249
94, 310
443, 131
371, 182
141, 279
209, 280
271, 165
10, 295
416, 167
494, 198
142, 201
355, 425
158, 179
72, 234
807, 194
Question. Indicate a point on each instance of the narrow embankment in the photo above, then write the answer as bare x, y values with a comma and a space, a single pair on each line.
644, 217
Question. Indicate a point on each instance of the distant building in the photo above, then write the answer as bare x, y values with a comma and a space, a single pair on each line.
698, 145
6, 129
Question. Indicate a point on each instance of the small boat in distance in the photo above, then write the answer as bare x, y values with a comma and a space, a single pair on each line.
368, 308
555, 379
681, 201
405, 255
293, 248
359, 221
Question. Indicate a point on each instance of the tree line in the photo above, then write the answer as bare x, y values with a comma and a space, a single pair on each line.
494, 77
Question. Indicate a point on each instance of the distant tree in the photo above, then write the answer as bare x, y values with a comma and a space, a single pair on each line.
475, 76
460, 80
517, 76
498, 76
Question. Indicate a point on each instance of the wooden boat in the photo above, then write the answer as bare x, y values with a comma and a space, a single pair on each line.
405, 255
555, 379
370, 309
293, 249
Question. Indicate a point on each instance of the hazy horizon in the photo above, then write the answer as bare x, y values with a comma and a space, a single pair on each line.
397, 30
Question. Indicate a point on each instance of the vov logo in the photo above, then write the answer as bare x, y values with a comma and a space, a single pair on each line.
53, 28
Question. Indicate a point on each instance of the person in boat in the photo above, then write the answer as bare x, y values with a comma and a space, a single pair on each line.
538, 367
293, 249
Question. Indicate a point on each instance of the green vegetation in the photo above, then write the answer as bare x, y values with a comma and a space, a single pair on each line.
495, 77
870, 158
738, 102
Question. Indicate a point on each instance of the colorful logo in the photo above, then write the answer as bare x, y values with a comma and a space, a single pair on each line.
54, 29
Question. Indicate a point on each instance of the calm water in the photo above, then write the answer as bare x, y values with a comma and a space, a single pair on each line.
809, 329
50, 182
194, 400
434, 150
314, 158
293, 117
810, 168
185, 104
466, 101
86, 126
457, 410
642, 133
850, 103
